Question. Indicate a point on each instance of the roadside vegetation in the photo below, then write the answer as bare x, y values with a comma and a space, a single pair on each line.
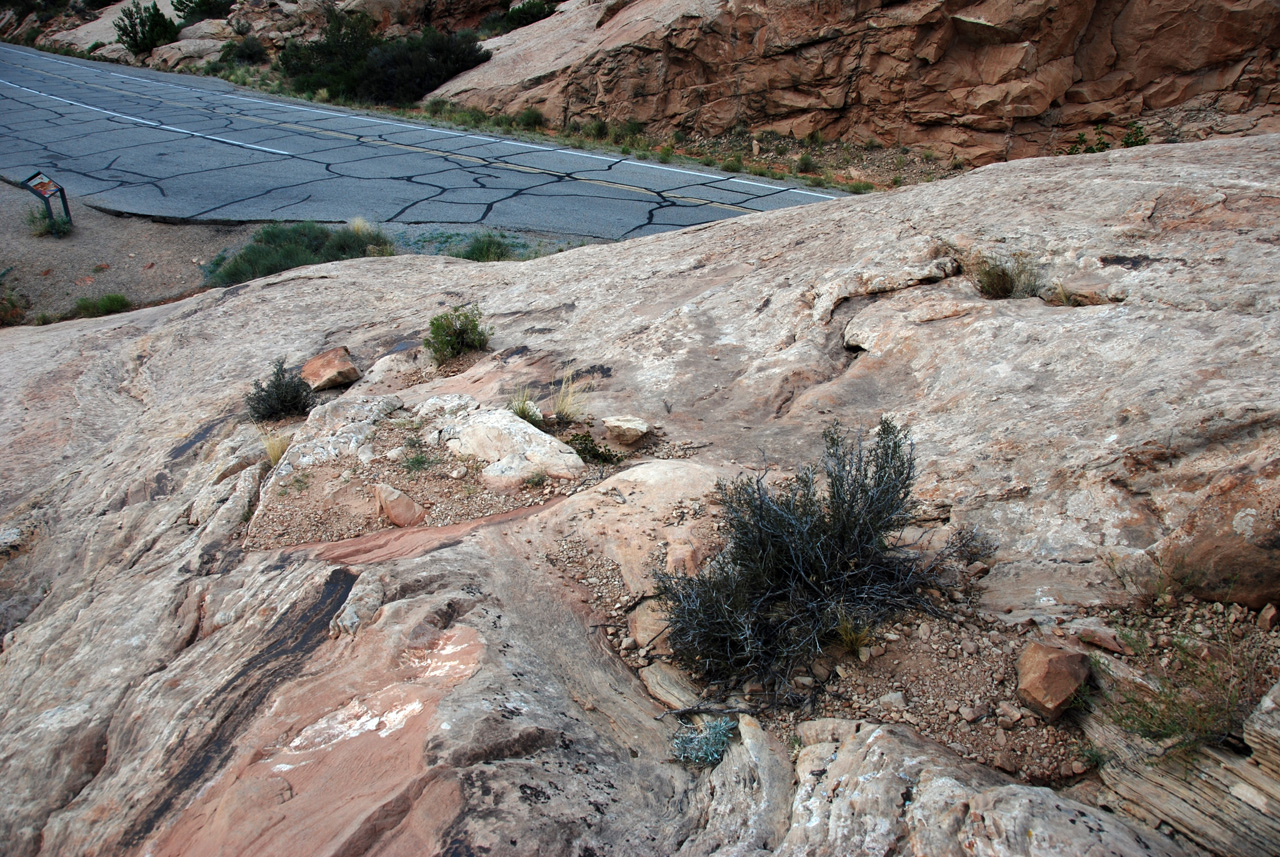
279, 247
455, 332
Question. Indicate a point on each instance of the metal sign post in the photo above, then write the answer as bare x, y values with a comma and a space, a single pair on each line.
45, 187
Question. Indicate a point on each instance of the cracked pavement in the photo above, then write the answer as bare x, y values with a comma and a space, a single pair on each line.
193, 148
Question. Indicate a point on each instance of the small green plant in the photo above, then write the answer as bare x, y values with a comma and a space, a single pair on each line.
284, 395
141, 30
665, 154
805, 164
522, 405
40, 224
705, 747
536, 479
487, 247
246, 51
597, 129
105, 305
591, 452
1002, 279
732, 165
801, 561
1081, 145
456, 331
1135, 135
418, 462
860, 187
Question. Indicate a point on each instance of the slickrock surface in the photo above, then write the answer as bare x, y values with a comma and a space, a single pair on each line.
985, 79
454, 689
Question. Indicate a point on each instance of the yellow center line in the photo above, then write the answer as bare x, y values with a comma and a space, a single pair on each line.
449, 156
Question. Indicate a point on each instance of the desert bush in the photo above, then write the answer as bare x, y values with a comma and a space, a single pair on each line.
528, 12
1134, 135
705, 747
456, 331
350, 61
278, 247
105, 305
1015, 277
802, 563
13, 306
142, 30
40, 224
191, 11
530, 119
805, 164
247, 51
732, 165
284, 395
597, 129
487, 247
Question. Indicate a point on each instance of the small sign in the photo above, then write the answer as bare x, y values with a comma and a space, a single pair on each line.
46, 188
43, 186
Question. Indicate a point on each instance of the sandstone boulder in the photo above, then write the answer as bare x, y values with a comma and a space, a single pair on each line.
1049, 677
187, 52
515, 449
399, 508
332, 368
216, 29
626, 430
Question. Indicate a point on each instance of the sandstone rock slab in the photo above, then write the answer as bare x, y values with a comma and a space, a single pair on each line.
332, 368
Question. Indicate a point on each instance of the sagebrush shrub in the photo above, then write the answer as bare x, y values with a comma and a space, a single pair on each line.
142, 30
802, 563
284, 395
455, 332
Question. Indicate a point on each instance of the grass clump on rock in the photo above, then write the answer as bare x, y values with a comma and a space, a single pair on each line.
284, 395
279, 247
105, 305
455, 332
703, 747
801, 562
1002, 279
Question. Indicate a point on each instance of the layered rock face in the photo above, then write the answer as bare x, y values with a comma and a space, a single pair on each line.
448, 690
982, 80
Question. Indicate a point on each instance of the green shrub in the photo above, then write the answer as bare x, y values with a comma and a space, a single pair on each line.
350, 61
487, 247
860, 187
1001, 279
279, 247
801, 562
531, 119
732, 165
40, 224
142, 30
247, 51
528, 12
105, 305
705, 747
597, 129
191, 11
284, 395
455, 332
805, 164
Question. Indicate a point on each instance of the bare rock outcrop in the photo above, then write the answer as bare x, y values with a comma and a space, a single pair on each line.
981, 80
413, 690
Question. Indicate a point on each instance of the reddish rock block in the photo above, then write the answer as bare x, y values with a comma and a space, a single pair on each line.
332, 368
399, 507
1048, 677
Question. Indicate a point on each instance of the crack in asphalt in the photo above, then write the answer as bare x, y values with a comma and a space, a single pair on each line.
540, 187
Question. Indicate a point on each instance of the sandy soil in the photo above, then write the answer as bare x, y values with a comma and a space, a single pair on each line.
146, 262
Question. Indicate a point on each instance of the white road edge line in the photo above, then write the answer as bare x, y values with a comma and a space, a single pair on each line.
146, 121
564, 150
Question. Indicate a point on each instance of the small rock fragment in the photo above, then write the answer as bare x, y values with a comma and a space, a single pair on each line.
400, 508
626, 429
1267, 617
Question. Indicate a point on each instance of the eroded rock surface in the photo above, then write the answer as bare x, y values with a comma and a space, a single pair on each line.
984, 80
167, 691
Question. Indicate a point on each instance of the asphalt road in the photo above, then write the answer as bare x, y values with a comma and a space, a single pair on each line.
185, 147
